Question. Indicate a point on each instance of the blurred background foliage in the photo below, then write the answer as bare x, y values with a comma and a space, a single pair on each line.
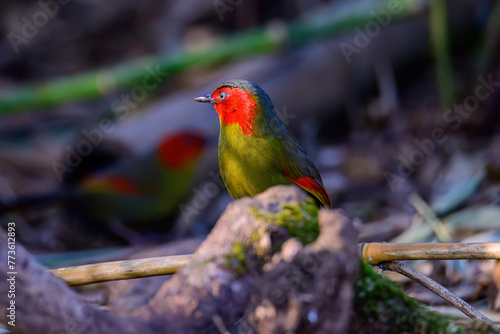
396, 102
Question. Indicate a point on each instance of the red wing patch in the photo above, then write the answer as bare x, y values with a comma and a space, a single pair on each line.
314, 187
110, 184
122, 185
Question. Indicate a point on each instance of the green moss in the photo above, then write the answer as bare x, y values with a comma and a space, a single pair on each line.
370, 285
478, 327
299, 218
236, 260
382, 306
255, 240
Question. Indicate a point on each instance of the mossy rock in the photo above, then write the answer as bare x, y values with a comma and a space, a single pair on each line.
299, 218
380, 305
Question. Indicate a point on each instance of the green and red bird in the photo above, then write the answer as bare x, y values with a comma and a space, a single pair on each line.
148, 188
256, 150
136, 192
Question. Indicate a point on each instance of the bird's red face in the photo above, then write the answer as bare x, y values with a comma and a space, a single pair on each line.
178, 150
234, 106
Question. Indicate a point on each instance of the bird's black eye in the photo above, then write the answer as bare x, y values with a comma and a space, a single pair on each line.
222, 95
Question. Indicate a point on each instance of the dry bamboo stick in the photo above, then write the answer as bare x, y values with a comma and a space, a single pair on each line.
437, 288
374, 253
118, 270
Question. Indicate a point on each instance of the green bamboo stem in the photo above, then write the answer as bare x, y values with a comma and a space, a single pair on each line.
97, 83
491, 44
440, 45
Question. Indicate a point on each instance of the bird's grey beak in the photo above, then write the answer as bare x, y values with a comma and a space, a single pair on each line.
205, 98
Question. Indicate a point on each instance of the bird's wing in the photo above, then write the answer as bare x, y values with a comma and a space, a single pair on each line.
130, 177
315, 188
300, 169
108, 184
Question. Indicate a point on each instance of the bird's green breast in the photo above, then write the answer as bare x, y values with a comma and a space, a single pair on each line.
249, 165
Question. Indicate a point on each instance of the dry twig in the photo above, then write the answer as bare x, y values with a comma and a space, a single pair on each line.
435, 287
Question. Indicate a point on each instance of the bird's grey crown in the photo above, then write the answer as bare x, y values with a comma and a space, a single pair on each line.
242, 84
